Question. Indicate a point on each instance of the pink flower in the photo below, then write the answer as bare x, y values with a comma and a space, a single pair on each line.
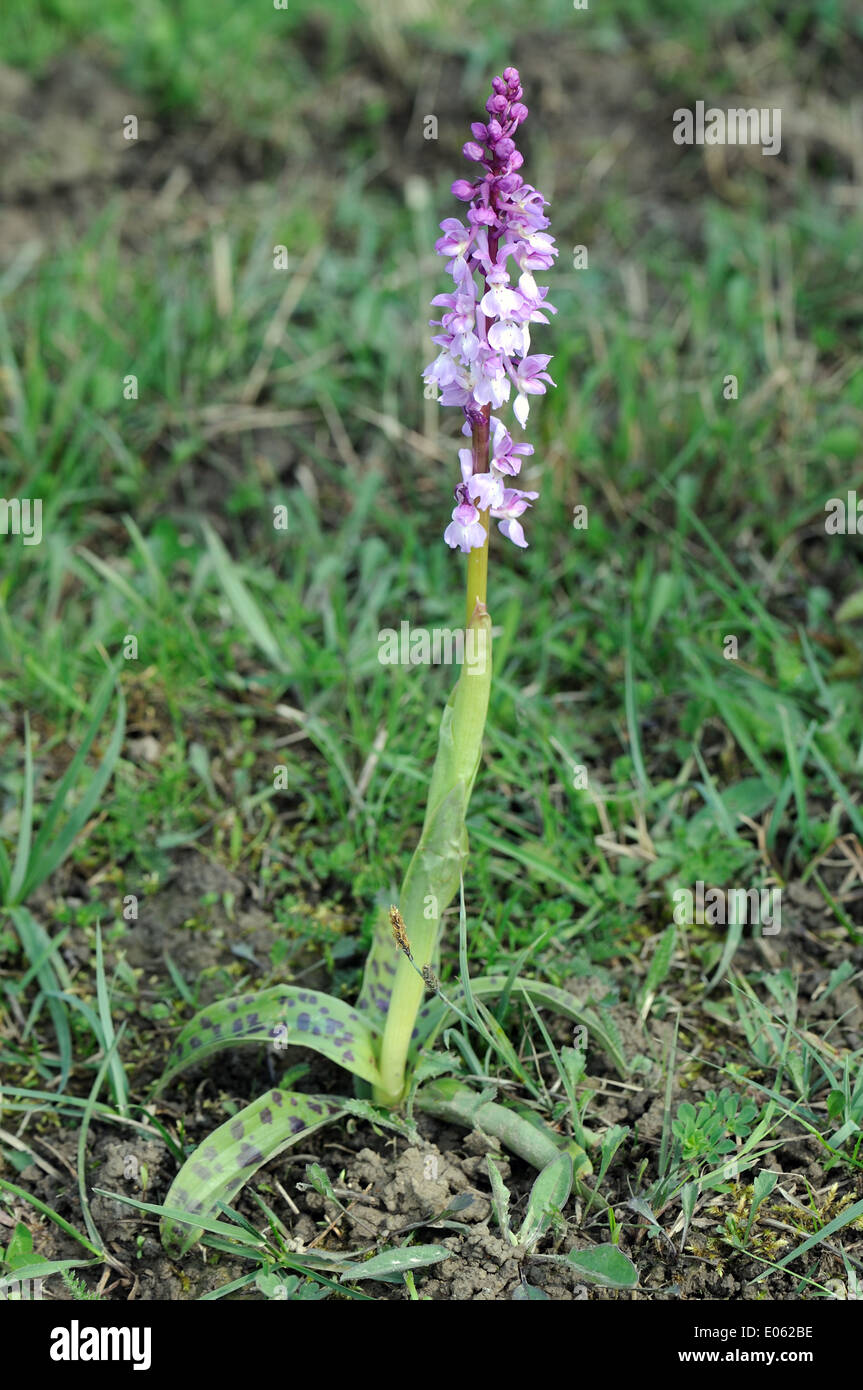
485, 334
528, 377
465, 531
514, 503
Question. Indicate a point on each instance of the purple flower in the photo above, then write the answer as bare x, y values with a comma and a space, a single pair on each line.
514, 503
528, 377
506, 456
485, 332
465, 530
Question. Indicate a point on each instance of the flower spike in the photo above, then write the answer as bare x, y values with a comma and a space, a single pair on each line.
485, 338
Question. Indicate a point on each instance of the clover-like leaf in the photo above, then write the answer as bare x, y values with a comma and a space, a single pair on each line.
604, 1265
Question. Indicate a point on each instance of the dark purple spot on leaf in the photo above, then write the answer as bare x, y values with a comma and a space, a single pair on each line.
266, 1116
238, 1129
249, 1156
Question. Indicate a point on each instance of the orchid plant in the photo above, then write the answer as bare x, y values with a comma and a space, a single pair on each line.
385, 1040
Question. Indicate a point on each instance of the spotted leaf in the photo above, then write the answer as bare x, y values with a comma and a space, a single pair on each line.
280, 1017
224, 1163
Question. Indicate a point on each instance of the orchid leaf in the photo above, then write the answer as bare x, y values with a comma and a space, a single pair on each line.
282, 1016
450, 1100
222, 1164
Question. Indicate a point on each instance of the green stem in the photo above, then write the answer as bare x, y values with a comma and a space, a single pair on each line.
435, 870
477, 559
438, 861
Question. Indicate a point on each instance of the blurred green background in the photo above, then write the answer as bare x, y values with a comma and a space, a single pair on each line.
259, 387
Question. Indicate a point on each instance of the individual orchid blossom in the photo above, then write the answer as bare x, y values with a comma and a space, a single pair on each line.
463, 531
528, 377
485, 342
